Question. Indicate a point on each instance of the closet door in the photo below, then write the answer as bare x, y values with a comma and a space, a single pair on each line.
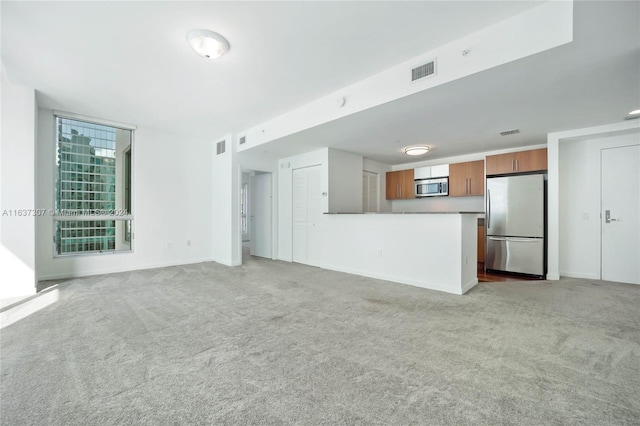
307, 211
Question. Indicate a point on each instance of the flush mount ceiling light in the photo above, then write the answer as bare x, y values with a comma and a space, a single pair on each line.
416, 150
633, 114
208, 44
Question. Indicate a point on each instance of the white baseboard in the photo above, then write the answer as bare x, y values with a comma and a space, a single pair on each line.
399, 280
468, 286
553, 277
579, 275
67, 275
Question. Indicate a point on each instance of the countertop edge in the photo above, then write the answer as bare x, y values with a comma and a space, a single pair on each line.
398, 213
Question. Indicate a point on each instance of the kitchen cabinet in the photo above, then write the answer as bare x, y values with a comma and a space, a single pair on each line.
466, 179
441, 170
400, 185
517, 162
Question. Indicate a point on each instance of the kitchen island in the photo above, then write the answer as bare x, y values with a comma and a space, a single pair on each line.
435, 250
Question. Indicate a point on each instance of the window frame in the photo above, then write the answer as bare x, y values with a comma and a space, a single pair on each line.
65, 218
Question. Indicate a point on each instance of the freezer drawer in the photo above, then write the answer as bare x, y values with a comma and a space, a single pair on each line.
512, 254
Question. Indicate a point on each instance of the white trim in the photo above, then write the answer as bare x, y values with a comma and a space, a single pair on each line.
124, 269
468, 286
398, 280
94, 120
579, 275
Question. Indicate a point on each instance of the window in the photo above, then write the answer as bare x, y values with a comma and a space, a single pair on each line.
92, 187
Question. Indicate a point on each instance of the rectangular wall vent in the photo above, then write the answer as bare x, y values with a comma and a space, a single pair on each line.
424, 70
220, 148
243, 139
509, 132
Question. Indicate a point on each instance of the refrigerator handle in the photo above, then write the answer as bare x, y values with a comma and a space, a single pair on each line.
516, 239
488, 209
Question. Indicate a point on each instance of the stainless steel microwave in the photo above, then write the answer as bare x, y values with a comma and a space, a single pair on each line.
432, 187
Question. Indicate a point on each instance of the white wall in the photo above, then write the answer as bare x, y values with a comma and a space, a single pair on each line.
225, 197
341, 186
285, 194
440, 204
560, 243
434, 251
517, 37
345, 181
17, 190
381, 169
579, 202
172, 205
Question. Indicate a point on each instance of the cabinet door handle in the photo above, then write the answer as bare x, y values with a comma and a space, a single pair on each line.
513, 165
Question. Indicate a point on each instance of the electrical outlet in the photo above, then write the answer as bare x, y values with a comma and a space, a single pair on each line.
188, 242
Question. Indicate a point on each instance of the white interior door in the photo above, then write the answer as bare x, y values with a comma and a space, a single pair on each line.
307, 209
370, 197
621, 214
261, 215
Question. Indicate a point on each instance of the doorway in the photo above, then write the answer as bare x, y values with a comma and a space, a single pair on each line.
260, 219
620, 214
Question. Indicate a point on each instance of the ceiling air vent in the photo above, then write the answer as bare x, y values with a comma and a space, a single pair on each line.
509, 132
220, 148
243, 139
424, 70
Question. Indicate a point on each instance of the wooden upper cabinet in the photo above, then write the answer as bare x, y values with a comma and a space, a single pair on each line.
517, 162
400, 185
466, 179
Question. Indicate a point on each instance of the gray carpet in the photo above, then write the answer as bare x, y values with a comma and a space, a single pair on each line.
278, 343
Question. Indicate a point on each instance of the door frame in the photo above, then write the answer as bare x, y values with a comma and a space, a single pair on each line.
274, 211
253, 213
553, 156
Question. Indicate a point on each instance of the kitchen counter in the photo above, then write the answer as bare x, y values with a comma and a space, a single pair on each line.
434, 250
377, 213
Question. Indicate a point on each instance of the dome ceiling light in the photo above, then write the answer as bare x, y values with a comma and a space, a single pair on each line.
208, 44
416, 150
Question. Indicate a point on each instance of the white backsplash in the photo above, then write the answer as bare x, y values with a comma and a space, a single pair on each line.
439, 204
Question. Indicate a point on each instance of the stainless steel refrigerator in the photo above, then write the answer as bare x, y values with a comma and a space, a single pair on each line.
515, 221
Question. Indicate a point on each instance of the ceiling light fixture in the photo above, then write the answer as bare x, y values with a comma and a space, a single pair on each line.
208, 44
416, 150
633, 115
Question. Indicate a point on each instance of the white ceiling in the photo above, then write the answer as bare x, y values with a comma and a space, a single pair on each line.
129, 62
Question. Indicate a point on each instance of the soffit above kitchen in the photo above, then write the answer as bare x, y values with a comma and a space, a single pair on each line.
129, 61
590, 81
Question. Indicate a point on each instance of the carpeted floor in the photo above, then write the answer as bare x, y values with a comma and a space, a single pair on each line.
279, 343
